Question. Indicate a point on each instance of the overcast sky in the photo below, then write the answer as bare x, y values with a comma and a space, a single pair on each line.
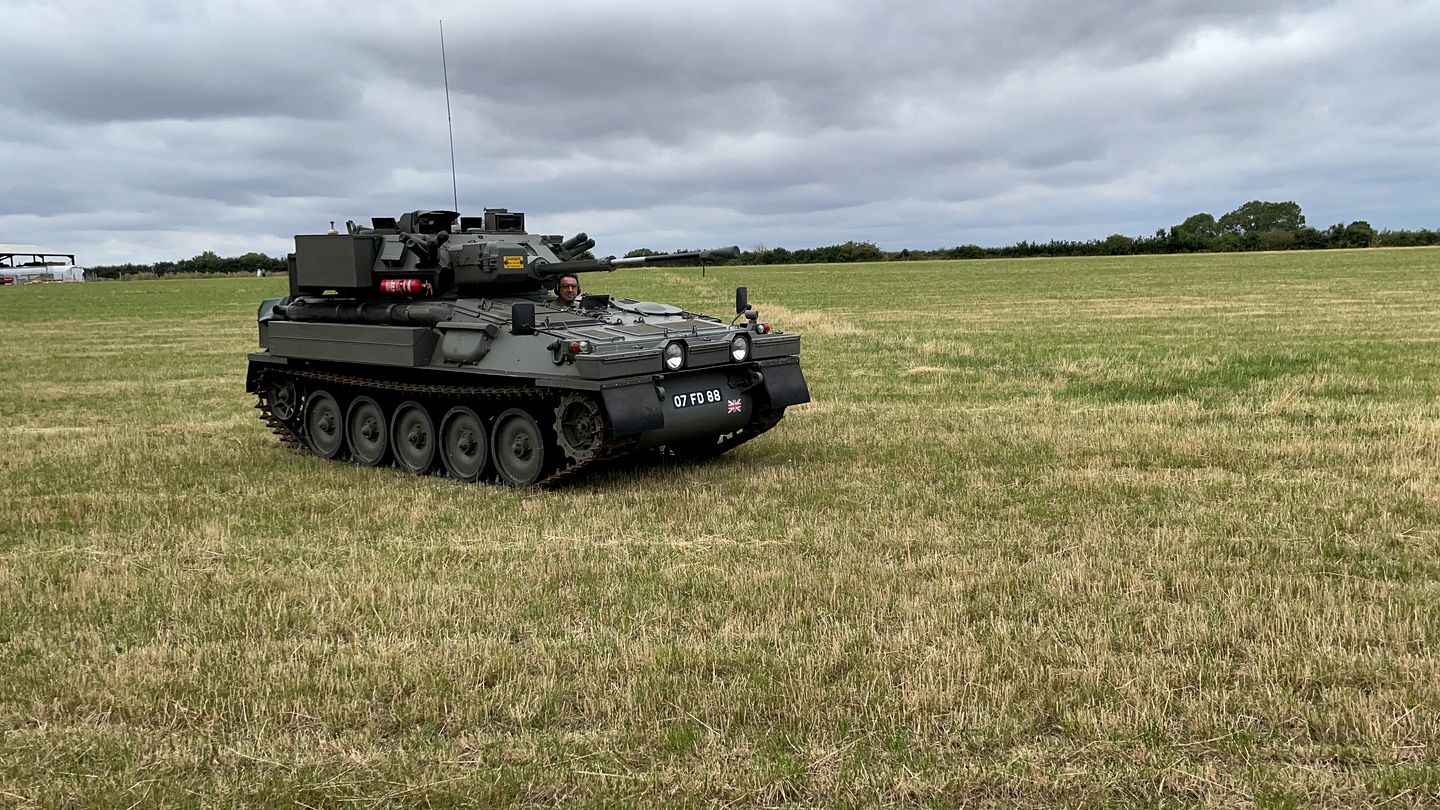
147, 131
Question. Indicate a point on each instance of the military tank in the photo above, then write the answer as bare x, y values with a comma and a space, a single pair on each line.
442, 343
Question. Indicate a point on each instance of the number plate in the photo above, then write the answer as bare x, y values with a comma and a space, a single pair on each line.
710, 396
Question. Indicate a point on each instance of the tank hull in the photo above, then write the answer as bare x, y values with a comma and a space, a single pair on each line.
691, 413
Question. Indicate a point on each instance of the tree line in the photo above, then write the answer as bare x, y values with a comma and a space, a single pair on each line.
1256, 225
206, 263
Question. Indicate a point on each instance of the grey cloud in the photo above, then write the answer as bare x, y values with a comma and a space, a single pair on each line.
155, 127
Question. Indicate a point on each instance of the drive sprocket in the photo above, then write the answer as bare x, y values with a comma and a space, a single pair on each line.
579, 426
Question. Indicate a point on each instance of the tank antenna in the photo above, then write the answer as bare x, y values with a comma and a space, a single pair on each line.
454, 185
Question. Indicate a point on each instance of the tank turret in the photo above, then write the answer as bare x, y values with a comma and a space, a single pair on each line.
424, 251
438, 342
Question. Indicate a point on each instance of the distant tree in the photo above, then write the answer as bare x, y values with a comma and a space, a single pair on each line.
1276, 239
1357, 234
1308, 238
250, 262
1117, 244
1422, 237
777, 255
1226, 243
1258, 217
641, 252
206, 262
1195, 233
858, 252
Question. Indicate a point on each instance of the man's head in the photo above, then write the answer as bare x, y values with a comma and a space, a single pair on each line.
568, 290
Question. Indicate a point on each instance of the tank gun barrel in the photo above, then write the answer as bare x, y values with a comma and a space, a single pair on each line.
718, 254
611, 263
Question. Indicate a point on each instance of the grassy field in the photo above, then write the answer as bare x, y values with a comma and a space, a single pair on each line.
1142, 531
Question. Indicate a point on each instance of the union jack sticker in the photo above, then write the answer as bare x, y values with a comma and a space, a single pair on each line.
732, 405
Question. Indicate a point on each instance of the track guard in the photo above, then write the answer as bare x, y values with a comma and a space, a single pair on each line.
785, 386
633, 409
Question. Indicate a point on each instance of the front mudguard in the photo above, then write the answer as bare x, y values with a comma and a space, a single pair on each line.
679, 407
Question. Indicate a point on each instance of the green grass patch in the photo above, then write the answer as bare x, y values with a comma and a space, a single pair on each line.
1157, 531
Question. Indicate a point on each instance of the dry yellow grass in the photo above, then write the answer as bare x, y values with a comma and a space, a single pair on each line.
1152, 532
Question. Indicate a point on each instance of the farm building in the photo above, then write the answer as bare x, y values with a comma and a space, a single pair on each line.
20, 264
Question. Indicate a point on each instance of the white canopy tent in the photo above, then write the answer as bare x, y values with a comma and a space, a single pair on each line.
23, 263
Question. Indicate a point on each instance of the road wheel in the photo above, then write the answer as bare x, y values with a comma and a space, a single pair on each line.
324, 425
412, 437
366, 432
519, 448
464, 445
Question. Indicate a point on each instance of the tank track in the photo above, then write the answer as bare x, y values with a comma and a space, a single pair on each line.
609, 448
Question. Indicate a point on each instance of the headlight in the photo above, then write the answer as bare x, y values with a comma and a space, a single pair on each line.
739, 348
674, 356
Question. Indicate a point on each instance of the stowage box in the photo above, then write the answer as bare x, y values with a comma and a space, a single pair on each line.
334, 262
352, 343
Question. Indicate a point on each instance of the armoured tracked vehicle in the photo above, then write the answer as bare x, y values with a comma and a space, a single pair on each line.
438, 342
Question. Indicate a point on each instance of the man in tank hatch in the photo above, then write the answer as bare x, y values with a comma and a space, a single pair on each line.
567, 291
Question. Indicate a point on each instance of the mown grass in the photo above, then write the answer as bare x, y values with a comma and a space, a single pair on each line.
1142, 531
